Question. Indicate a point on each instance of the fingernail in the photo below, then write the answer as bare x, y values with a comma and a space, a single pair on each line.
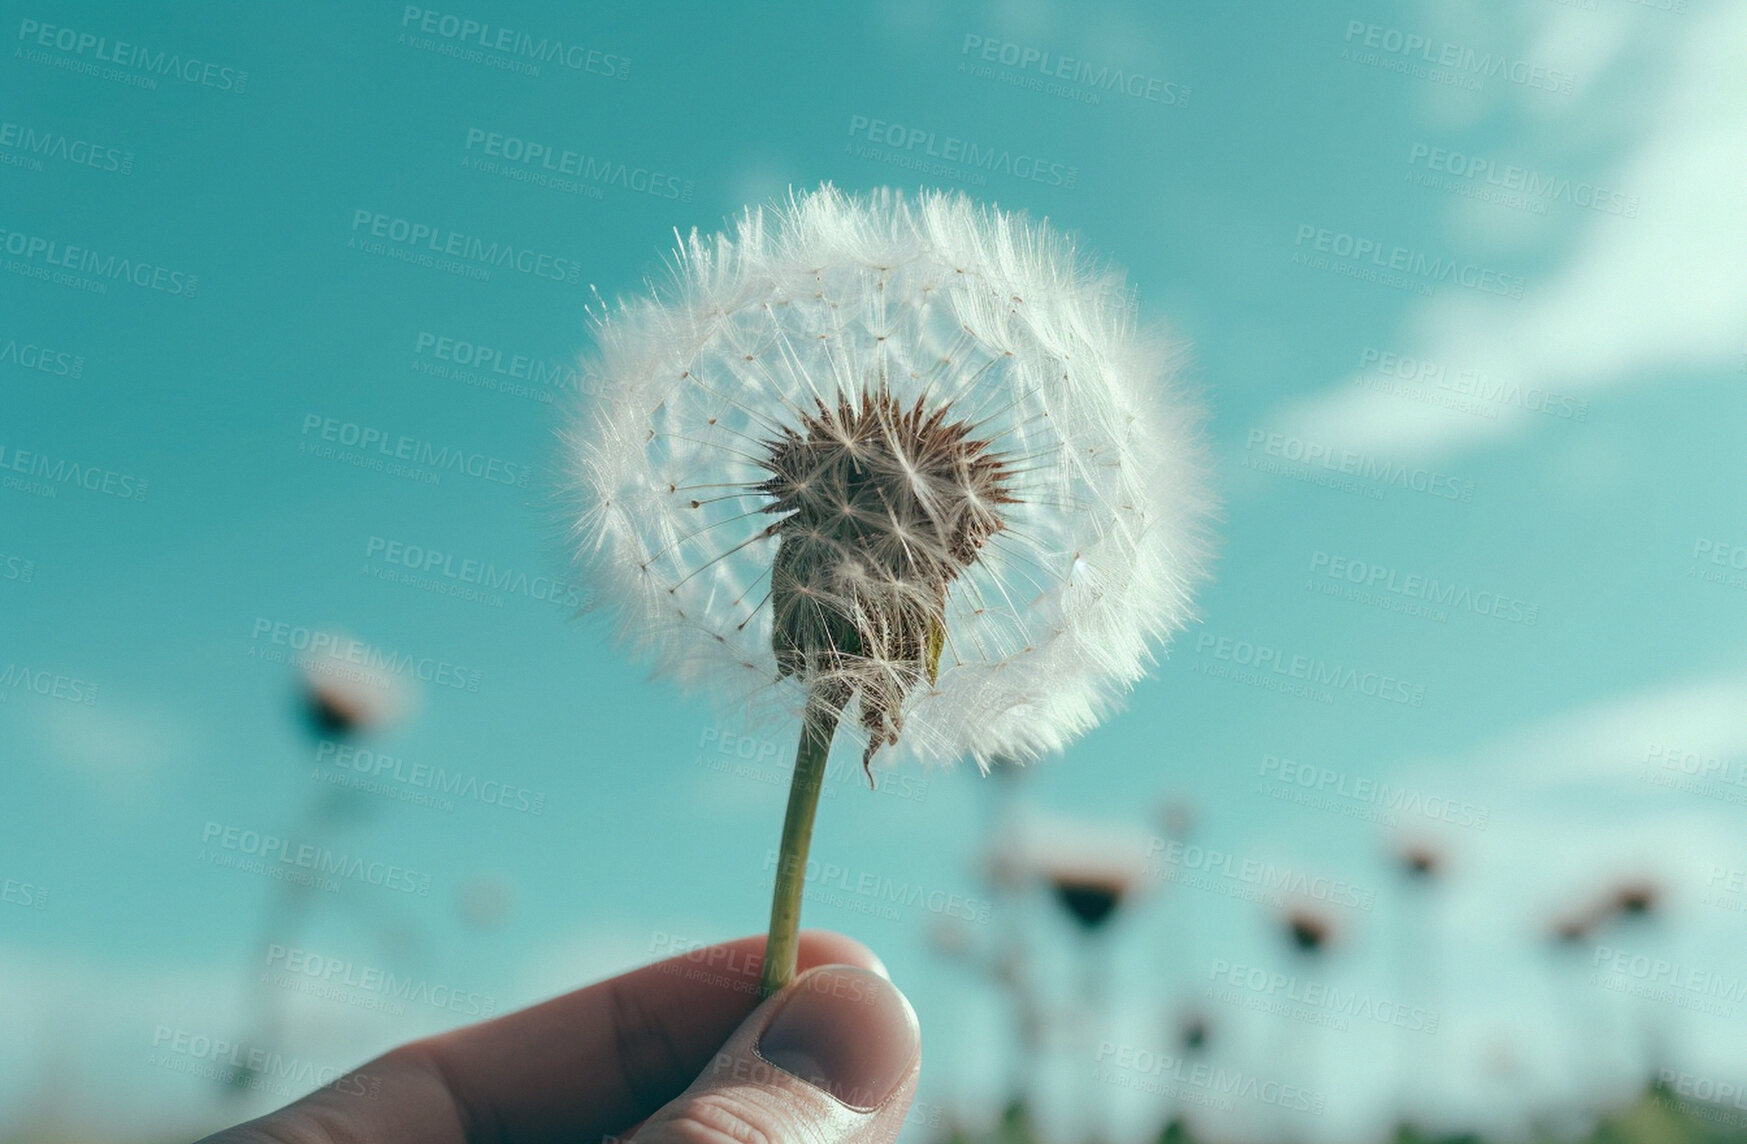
845, 1030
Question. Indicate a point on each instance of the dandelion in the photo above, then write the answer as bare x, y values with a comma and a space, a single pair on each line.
1091, 869
1090, 902
897, 467
1571, 934
1309, 932
1572, 929
340, 695
1420, 861
1091, 885
1636, 898
1422, 865
1194, 1031
1636, 902
342, 698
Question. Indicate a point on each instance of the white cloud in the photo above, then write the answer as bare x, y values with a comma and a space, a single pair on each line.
1636, 297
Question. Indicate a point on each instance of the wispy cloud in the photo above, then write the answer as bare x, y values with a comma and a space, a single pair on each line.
1633, 299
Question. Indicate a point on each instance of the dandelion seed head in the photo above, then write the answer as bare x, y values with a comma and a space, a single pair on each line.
1194, 1031
341, 698
1308, 931
1092, 868
900, 452
1637, 897
1421, 861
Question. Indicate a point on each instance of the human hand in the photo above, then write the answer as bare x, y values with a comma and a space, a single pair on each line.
832, 1059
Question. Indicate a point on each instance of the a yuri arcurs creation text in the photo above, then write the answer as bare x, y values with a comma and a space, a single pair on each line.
894, 467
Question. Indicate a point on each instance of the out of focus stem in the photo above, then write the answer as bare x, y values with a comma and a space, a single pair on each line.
781, 947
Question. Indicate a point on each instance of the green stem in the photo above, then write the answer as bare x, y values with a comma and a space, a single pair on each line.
783, 944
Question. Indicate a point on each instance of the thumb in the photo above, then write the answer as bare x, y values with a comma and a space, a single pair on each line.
832, 1059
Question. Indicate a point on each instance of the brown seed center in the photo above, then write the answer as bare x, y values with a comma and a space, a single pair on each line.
884, 506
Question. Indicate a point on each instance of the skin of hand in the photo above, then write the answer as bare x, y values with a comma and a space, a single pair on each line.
679, 1052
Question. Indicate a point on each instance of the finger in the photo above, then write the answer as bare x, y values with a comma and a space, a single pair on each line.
578, 1067
832, 1059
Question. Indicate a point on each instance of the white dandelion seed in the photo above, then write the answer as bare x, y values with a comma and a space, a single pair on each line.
967, 438
899, 460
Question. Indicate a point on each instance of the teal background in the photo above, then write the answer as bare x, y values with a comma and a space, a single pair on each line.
1607, 525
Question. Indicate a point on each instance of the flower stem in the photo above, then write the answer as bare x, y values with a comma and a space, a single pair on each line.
791, 870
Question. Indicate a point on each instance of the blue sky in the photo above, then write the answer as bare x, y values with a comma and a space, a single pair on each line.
1480, 262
